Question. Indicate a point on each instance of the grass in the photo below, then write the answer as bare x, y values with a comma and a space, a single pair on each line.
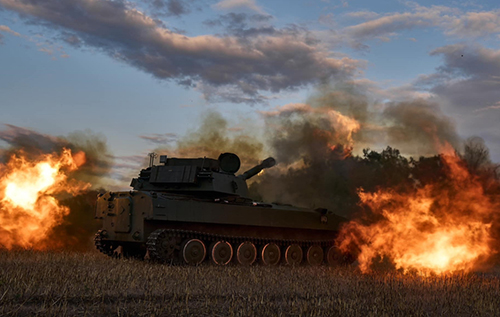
90, 284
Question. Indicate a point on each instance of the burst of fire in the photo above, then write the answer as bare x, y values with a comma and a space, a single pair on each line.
439, 228
28, 206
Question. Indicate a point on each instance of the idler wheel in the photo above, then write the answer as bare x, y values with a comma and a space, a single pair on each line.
246, 253
314, 255
163, 246
333, 256
293, 254
221, 252
271, 254
193, 251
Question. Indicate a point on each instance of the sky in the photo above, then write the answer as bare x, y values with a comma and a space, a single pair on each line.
142, 73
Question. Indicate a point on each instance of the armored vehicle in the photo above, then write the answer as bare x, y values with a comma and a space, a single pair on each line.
191, 210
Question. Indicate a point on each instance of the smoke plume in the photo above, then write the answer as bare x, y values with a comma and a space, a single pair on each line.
215, 136
33, 144
322, 147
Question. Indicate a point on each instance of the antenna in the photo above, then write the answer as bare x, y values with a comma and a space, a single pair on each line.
203, 163
152, 157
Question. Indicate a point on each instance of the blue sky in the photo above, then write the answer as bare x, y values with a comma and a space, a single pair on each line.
126, 69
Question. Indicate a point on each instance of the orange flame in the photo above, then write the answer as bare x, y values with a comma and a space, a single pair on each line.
28, 208
439, 228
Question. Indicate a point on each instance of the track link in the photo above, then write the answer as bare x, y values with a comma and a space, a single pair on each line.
105, 247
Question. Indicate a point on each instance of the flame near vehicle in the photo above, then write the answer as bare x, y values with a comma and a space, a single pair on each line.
29, 208
439, 228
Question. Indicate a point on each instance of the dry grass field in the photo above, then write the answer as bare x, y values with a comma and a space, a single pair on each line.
90, 284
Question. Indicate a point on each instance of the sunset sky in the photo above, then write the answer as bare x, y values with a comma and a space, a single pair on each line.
142, 73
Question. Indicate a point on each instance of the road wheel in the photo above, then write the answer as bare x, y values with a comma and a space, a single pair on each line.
271, 254
333, 256
314, 255
221, 252
293, 255
246, 253
193, 251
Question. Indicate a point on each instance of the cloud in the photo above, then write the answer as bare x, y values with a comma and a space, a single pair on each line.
469, 77
288, 109
29, 139
453, 22
130, 162
165, 138
170, 7
366, 15
475, 24
6, 29
238, 4
246, 25
388, 26
71, 39
469, 60
495, 107
465, 84
251, 66
42, 44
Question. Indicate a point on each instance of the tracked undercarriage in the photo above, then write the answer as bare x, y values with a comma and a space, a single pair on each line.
188, 211
175, 246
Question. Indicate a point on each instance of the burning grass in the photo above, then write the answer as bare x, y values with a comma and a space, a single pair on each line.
46, 283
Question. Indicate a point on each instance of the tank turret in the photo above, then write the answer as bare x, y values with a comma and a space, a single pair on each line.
203, 177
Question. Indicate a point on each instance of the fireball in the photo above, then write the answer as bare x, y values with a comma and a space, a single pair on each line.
436, 229
29, 208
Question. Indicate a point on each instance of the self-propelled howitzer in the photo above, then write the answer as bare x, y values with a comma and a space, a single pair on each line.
190, 210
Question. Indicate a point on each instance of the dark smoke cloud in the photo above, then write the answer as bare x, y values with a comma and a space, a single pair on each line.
215, 136
77, 231
300, 132
351, 101
319, 147
33, 144
419, 127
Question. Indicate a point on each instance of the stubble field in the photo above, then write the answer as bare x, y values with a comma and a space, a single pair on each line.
90, 284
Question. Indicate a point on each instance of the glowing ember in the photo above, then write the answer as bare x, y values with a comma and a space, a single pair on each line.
438, 228
28, 208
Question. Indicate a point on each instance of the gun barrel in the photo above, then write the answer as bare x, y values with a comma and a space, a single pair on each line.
267, 163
